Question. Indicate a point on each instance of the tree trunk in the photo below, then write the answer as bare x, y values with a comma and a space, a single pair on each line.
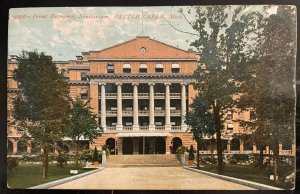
212, 153
45, 162
197, 154
76, 156
218, 127
275, 162
219, 152
261, 157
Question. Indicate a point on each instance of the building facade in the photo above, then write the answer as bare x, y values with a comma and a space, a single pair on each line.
140, 91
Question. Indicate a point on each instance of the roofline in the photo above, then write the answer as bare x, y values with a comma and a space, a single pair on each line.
137, 38
144, 59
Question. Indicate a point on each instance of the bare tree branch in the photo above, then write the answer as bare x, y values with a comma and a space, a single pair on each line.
181, 30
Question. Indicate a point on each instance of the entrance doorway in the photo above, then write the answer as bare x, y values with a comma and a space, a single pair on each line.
176, 143
111, 142
147, 145
127, 147
160, 145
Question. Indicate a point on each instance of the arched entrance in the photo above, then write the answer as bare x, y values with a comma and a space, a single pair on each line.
9, 147
22, 146
111, 142
127, 147
147, 145
235, 144
176, 143
160, 145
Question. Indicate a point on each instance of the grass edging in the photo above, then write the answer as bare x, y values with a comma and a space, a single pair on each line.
235, 180
64, 180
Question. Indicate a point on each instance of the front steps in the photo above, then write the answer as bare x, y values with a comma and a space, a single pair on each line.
147, 160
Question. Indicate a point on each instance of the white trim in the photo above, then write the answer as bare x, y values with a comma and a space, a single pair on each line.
143, 66
159, 65
143, 134
128, 66
175, 66
135, 59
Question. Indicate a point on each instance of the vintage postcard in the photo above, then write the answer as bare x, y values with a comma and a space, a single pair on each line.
152, 98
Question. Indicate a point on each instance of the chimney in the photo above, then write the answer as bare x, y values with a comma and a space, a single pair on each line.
79, 57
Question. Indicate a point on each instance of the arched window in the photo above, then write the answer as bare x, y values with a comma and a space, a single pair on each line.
143, 68
175, 68
159, 68
126, 68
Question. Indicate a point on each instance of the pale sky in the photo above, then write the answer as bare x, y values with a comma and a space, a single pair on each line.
65, 32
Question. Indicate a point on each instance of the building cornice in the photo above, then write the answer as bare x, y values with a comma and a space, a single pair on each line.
141, 78
79, 83
145, 59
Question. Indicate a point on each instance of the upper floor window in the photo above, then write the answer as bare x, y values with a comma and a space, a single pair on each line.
252, 115
84, 94
143, 68
110, 68
175, 68
84, 77
229, 115
230, 126
159, 68
126, 68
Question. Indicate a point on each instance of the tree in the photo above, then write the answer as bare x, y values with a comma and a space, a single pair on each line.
42, 108
272, 93
220, 45
81, 124
200, 120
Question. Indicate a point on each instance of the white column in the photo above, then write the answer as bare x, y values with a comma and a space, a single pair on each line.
103, 107
119, 106
151, 107
135, 107
167, 107
183, 106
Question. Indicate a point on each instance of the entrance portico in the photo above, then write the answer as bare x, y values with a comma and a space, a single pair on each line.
143, 143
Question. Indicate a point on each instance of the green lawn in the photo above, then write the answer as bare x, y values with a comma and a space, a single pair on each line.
28, 175
246, 173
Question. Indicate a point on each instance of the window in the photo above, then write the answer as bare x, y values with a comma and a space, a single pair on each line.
83, 77
229, 115
159, 68
252, 115
143, 68
110, 68
126, 68
175, 68
230, 126
84, 94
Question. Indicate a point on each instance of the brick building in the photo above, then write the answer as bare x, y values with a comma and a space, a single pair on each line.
140, 91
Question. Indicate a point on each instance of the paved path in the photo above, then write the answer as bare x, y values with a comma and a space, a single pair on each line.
150, 178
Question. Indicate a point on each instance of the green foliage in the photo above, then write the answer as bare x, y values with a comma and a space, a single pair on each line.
181, 149
191, 153
106, 149
222, 55
240, 157
12, 163
82, 122
42, 108
86, 155
95, 155
62, 160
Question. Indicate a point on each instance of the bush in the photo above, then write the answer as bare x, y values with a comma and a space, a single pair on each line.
31, 158
96, 155
62, 160
191, 153
233, 161
181, 150
240, 157
106, 149
86, 155
12, 163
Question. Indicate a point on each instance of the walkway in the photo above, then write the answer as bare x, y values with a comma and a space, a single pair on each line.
150, 178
